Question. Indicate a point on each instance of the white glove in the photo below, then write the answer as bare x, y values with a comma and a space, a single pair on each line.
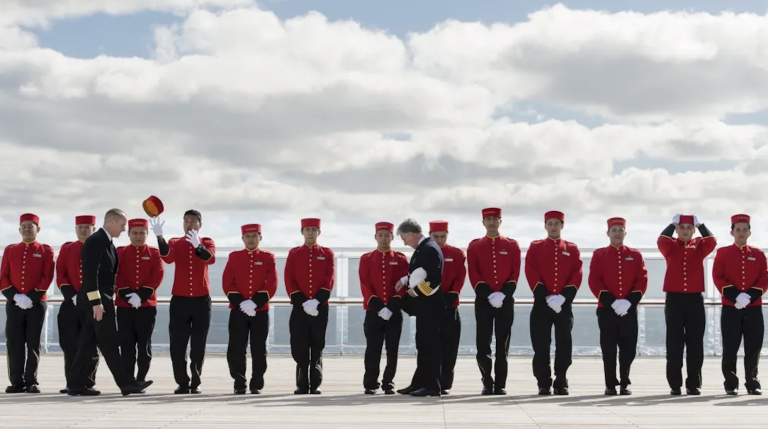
23, 301
193, 238
676, 219
74, 300
496, 299
555, 302
621, 307
742, 301
134, 300
310, 307
696, 222
157, 227
250, 313
248, 306
385, 313
418, 276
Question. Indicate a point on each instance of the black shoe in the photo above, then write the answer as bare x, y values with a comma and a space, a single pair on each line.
426, 392
135, 387
611, 391
181, 390
755, 391
84, 391
408, 390
389, 390
487, 390
64, 390
15, 389
445, 392
562, 391
625, 390
675, 392
544, 391
315, 391
255, 391
33, 389
370, 391
195, 390
694, 391
500, 391
300, 391
240, 391
732, 392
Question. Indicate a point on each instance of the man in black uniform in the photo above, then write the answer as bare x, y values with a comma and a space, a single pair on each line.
423, 282
96, 307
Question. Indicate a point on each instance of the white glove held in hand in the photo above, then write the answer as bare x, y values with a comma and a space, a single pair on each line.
310, 307
555, 302
134, 300
742, 301
496, 299
193, 239
385, 313
23, 301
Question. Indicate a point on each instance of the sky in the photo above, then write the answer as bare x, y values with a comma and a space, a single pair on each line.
358, 112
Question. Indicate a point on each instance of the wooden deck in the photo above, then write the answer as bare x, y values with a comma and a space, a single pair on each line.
343, 404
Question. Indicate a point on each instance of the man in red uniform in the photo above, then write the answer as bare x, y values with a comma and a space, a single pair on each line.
249, 281
309, 277
553, 268
379, 272
740, 273
26, 272
618, 279
684, 305
494, 269
140, 274
69, 278
190, 309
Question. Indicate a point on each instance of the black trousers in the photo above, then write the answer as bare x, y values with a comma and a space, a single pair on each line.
490, 320
378, 333
102, 334
307, 344
190, 319
135, 326
450, 337
430, 315
23, 329
617, 334
735, 324
243, 328
543, 319
686, 321
70, 327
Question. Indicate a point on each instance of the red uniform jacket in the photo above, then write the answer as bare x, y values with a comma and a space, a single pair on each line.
617, 273
190, 278
494, 265
379, 272
554, 267
454, 274
69, 269
250, 275
740, 269
27, 268
685, 262
141, 271
309, 273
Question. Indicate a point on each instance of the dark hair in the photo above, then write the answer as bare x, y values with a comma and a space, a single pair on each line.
409, 226
733, 225
194, 213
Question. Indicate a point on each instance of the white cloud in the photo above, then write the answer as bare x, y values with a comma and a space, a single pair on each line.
250, 118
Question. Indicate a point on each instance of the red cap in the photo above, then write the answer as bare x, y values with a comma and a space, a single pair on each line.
138, 223
251, 227
686, 219
491, 212
739, 218
153, 207
85, 220
29, 216
440, 225
554, 215
616, 221
310, 222
385, 226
